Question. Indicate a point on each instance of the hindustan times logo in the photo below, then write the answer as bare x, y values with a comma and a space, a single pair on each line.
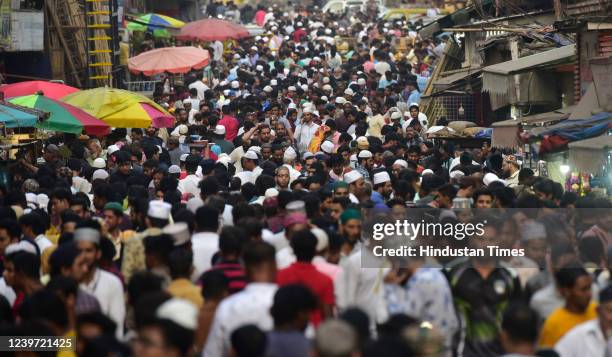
412, 230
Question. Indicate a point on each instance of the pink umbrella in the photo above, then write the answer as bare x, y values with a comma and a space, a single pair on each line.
50, 89
212, 30
169, 59
159, 119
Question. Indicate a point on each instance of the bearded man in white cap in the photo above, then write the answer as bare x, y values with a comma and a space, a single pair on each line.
365, 163
158, 216
356, 185
105, 286
382, 187
288, 161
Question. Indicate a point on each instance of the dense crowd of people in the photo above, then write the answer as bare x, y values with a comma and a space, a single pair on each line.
241, 231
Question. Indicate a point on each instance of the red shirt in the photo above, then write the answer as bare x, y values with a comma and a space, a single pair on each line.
231, 127
307, 274
298, 35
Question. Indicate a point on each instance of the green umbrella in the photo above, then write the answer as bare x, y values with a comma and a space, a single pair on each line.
62, 116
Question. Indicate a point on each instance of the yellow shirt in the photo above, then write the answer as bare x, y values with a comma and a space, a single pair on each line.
69, 352
44, 259
185, 289
561, 321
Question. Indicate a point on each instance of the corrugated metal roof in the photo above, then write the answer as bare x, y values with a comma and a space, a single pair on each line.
546, 58
445, 82
548, 117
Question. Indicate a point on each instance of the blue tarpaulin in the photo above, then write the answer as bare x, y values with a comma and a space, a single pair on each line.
579, 129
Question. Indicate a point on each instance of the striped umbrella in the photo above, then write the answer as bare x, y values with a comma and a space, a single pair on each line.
121, 108
156, 24
62, 116
51, 89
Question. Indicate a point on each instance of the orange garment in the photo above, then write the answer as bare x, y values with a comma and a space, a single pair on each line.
560, 321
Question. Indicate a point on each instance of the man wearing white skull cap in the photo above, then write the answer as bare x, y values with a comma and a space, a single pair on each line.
356, 185
382, 187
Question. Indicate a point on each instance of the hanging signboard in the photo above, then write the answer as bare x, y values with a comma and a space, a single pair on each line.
27, 31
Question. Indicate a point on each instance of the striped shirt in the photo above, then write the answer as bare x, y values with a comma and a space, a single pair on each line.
234, 273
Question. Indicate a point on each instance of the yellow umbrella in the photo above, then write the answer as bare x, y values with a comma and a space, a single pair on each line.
121, 108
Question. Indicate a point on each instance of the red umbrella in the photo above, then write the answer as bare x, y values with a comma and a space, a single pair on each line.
212, 30
50, 89
169, 59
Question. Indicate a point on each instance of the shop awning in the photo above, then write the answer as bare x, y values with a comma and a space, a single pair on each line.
590, 155
448, 81
495, 77
548, 117
538, 119
577, 129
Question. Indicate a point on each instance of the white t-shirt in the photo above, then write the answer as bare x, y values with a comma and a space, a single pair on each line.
201, 88
204, 245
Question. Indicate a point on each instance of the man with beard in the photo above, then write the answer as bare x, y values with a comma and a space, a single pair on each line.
277, 153
482, 289
511, 169
266, 152
113, 215
356, 185
365, 163
355, 286
382, 187
106, 287
239, 151
281, 132
264, 133
151, 139
412, 137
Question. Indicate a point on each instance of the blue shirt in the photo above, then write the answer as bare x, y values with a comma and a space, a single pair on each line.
377, 198
415, 97
422, 83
